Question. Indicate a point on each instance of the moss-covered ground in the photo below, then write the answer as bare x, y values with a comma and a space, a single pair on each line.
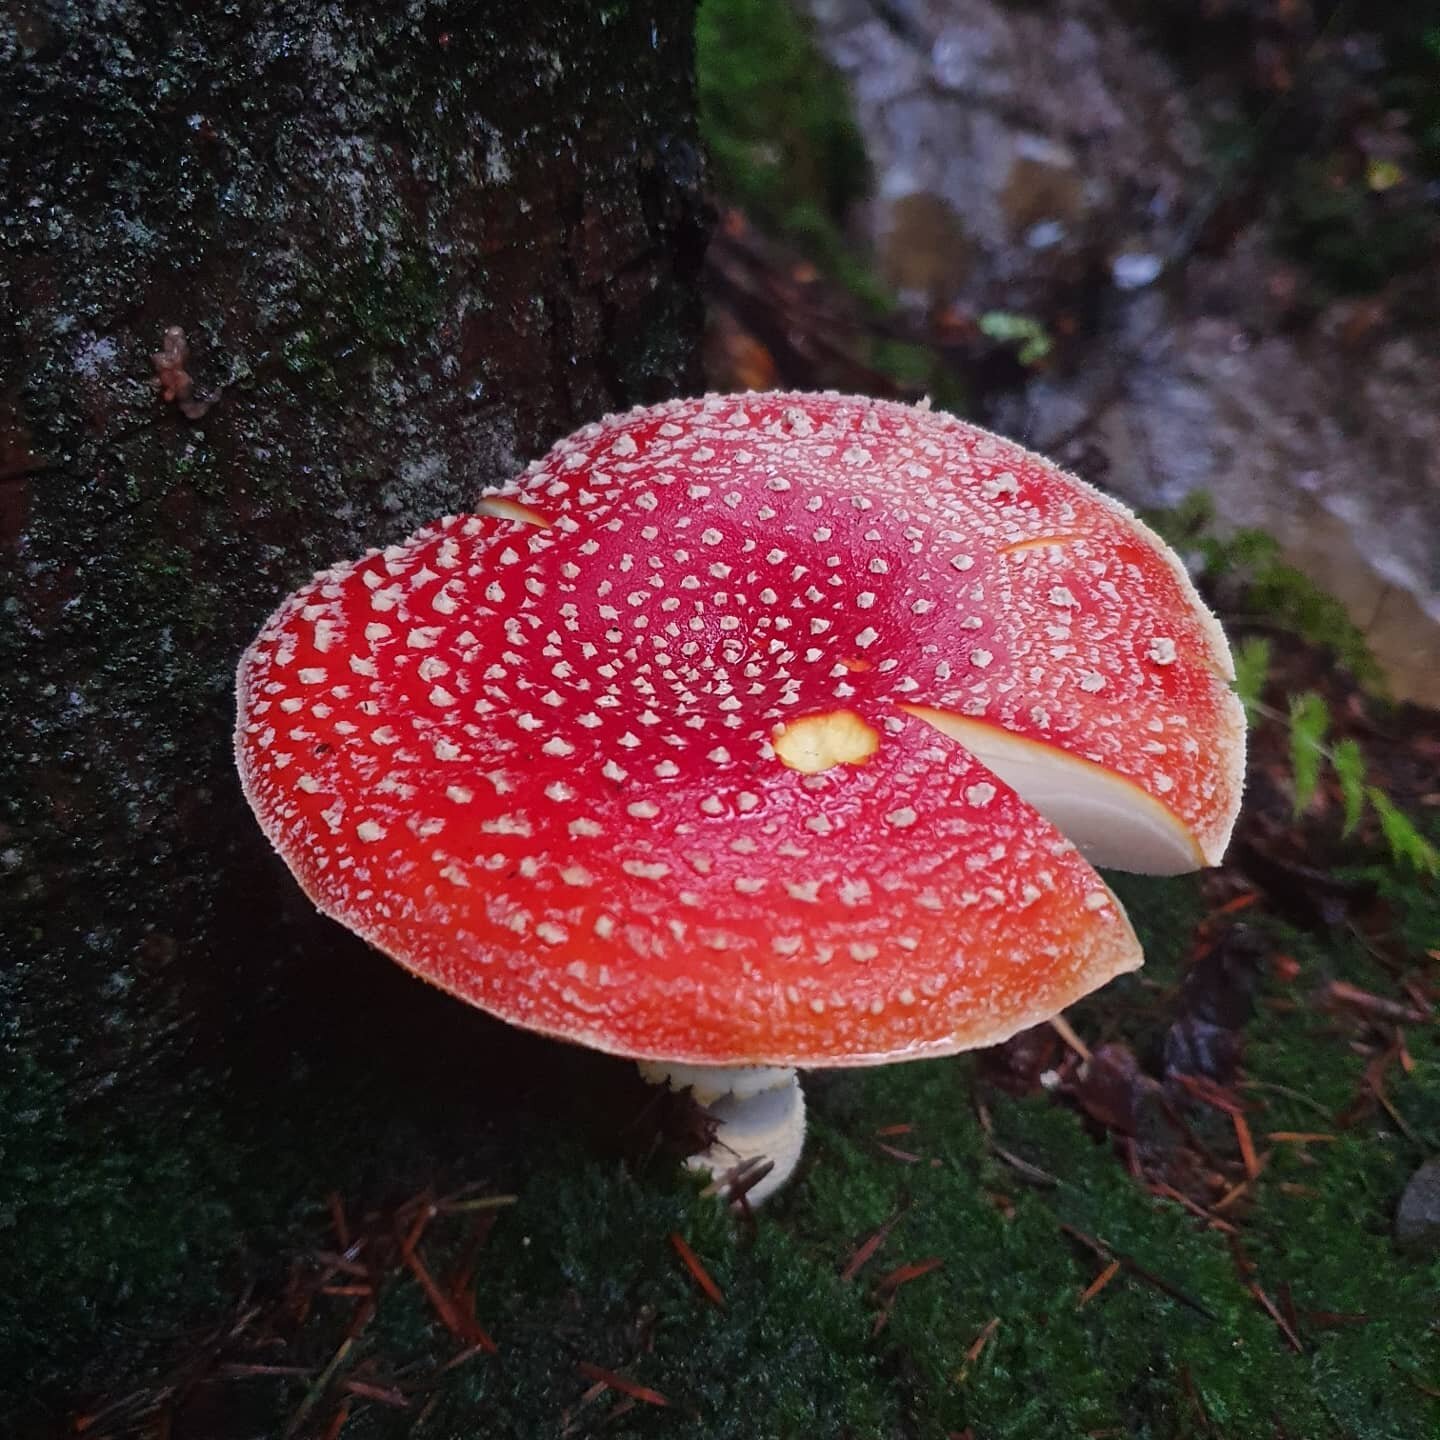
1022, 1199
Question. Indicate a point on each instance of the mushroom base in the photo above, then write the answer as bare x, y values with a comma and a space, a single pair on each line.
761, 1112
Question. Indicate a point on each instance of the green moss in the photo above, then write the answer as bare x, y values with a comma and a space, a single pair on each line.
103, 1219
590, 1276
777, 123
580, 1269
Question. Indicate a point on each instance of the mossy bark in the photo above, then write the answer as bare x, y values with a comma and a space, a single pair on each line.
408, 244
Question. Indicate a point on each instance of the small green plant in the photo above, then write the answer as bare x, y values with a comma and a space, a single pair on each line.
1032, 338
1309, 724
1349, 766
1252, 669
1309, 721
1406, 843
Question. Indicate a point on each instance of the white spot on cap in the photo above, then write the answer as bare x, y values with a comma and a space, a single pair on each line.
1003, 484
645, 870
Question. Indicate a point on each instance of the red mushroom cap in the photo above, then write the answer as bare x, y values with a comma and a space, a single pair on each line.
656, 752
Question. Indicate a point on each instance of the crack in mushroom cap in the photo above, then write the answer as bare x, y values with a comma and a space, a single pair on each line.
531, 754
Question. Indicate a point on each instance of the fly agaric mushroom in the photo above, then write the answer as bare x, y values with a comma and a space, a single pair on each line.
751, 732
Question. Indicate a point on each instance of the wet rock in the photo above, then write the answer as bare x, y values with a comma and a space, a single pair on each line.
925, 254
1044, 184
1134, 270
1041, 130
1417, 1220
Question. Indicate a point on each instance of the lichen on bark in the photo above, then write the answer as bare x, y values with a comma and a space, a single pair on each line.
406, 245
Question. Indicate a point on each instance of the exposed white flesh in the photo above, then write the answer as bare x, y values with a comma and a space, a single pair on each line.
502, 507
1111, 820
761, 1110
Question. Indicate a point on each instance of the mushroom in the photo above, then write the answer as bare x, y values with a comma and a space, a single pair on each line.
751, 732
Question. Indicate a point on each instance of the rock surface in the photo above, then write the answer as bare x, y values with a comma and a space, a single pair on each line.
1417, 1221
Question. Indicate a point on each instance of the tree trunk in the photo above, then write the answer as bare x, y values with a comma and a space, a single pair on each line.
279, 280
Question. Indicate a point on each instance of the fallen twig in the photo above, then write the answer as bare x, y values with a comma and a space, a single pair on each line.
1102, 1248
1341, 992
1273, 1312
700, 1274
904, 1274
624, 1386
1098, 1284
865, 1251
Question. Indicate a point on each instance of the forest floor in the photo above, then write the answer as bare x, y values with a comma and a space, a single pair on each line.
1177, 1219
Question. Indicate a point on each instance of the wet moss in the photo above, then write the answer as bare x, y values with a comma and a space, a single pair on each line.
777, 121
784, 145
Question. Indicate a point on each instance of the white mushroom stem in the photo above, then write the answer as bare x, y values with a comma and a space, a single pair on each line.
761, 1110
